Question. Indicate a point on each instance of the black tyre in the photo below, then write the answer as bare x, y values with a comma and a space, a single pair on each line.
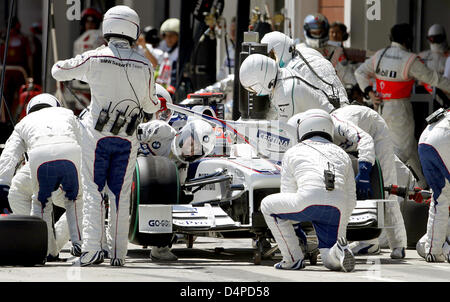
23, 240
155, 181
376, 181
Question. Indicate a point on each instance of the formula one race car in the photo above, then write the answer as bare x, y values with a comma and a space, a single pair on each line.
220, 195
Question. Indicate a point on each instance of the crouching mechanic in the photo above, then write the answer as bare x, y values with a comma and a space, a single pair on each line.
317, 185
434, 153
122, 87
20, 199
51, 137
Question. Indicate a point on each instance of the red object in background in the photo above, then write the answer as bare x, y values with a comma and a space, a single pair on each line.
26, 93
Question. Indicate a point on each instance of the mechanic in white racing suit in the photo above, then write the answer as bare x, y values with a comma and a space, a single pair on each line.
50, 136
435, 57
289, 93
317, 185
122, 87
20, 199
309, 64
261, 75
372, 123
434, 152
394, 68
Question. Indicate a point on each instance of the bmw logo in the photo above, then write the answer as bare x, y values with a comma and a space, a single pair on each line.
206, 139
156, 145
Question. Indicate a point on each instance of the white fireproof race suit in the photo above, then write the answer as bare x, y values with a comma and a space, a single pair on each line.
395, 69
20, 198
324, 69
350, 138
121, 81
51, 138
434, 151
372, 123
304, 197
292, 95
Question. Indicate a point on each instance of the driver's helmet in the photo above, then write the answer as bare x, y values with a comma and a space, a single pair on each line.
316, 28
194, 141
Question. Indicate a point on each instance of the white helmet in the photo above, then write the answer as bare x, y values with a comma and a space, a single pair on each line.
258, 74
282, 46
158, 135
121, 21
41, 101
194, 141
170, 25
162, 93
313, 121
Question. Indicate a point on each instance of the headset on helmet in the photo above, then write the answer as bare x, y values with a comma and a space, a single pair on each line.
313, 122
258, 74
281, 44
42, 101
315, 28
194, 141
121, 21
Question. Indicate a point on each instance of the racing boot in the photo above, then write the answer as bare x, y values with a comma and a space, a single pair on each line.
75, 250
345, 255
117, 262
88, 258
296, 265
435, 258
370, 247
162, 254
398, 253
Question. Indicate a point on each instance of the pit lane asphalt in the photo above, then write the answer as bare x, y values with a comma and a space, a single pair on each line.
234, 263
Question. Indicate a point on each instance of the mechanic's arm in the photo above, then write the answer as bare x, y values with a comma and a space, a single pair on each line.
72, 69
12, 154
421, 72
363, 74
151, 103
288, 180
355, 136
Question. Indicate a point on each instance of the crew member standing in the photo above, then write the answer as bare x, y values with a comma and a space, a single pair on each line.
395, 68
122, 87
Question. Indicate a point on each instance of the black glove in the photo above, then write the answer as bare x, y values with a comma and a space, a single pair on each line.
4, 204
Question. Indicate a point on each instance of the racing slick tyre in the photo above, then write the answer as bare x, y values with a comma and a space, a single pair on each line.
370, 231
23, 240
155, 181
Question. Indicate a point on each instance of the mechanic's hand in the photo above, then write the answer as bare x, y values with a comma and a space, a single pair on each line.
163, 104
363, 187
375, 99
4, 204
418, 196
